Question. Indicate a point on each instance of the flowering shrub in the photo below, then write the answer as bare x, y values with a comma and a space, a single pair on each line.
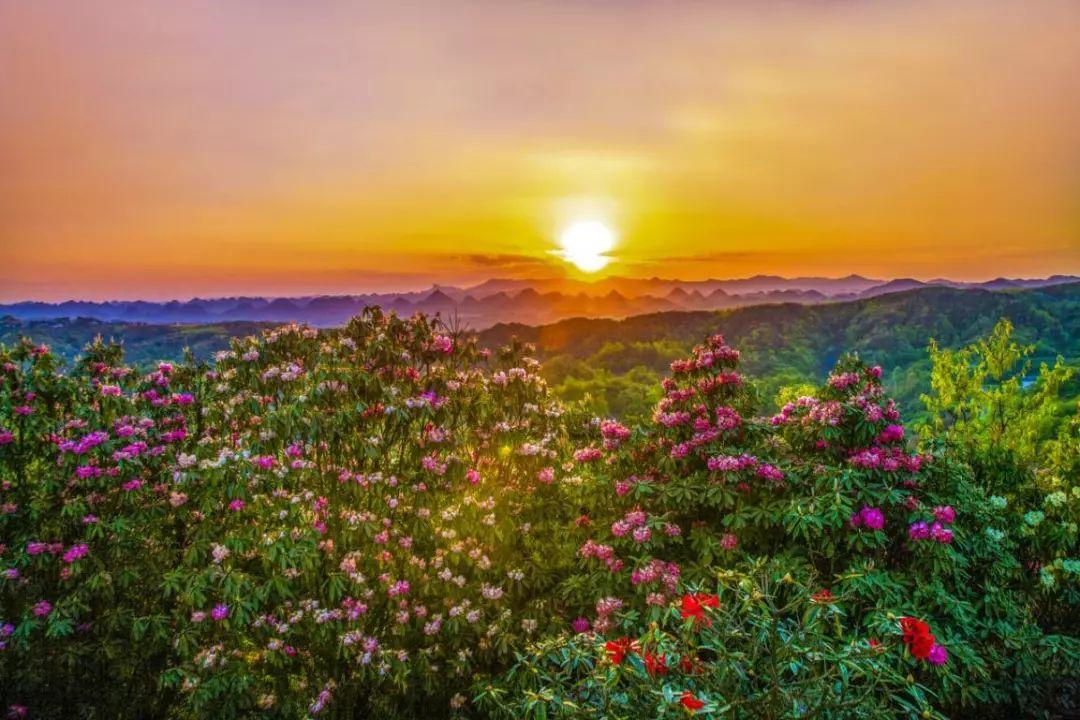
764, 645
369, 527
830, 488
85, 532
386, 520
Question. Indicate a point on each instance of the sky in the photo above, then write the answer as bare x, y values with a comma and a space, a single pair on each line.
159, 149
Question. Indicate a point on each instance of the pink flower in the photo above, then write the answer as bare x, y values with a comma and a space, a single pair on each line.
938, 655
871, 517
75, 552
42, 608
770, 472
263, 461
919, 530
941, 534
588, 454
614, 434
891, 434
443, 344
945, 514
220, 611
237, 505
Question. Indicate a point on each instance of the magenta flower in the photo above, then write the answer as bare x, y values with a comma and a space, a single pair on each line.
938, 655
264, 462
580, 625
872, 517
220, 611
941, 534
945, 514
770, 472
42, 608
75, 552
919, 530
891, 434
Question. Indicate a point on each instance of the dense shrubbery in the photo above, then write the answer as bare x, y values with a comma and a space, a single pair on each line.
387, 521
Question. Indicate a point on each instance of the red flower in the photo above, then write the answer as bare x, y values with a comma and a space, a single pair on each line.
619, 649
690, 702
656, 664
917, 636
690, 664
694, 606
822, 596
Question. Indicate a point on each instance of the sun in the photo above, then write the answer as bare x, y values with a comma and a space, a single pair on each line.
585, 244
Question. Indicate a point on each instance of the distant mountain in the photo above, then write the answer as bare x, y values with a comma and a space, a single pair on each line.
904, 284
531, 302
636, 287
894, 286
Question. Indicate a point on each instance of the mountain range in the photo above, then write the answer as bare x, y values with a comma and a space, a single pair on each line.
532, 302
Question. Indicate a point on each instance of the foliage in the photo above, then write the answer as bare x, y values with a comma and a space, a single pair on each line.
388, 521
827, 487
985, 395
785, 345
769, 649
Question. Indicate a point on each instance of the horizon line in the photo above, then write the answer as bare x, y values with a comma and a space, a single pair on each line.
436, 286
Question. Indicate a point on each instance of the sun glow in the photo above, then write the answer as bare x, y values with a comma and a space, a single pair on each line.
585, 245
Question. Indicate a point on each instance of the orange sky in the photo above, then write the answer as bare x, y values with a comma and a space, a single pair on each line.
171, 149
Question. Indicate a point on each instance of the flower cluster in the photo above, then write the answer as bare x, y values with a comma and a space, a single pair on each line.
920, 642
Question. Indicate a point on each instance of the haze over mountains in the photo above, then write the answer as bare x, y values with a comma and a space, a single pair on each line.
519, 301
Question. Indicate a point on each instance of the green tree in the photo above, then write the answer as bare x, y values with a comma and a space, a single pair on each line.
986, 397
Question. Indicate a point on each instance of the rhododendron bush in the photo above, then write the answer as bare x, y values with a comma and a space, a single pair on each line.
829, 486
764, 645
386, 520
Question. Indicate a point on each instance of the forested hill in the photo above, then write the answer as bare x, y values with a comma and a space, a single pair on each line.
617, 362
790, 343
143, 342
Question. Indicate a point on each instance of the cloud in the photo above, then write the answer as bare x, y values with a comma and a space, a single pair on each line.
488, 260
